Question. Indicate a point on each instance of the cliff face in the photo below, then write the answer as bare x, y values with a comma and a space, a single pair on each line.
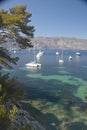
59, 42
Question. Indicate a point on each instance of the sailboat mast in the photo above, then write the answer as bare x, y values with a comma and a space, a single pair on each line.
62, 54
34, 52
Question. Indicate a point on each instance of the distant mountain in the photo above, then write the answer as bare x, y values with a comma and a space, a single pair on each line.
59, 42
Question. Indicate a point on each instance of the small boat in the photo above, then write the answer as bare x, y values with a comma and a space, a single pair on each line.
14, 51
78, 53
61, 60
40, 53
33, 64
70, 57
57, 53
38, 56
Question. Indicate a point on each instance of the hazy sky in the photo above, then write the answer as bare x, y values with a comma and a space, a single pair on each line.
55, 17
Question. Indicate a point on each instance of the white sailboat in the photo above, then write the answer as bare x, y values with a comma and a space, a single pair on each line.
39, 54
61, 58
33, 63
77, 53
57, 53
70, 57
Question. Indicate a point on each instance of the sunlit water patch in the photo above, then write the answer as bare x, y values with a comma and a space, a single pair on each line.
64, 72
69, 80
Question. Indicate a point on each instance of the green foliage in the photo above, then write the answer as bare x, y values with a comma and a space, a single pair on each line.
26, 127
13, 25
16, 21
5, 58
4, 121
2, 95
2, 110
18, 10
6, 116
11, 89
13, 112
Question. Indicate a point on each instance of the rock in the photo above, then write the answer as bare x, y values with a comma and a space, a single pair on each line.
24, 120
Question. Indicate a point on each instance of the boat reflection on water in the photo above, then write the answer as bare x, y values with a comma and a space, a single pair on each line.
77, 58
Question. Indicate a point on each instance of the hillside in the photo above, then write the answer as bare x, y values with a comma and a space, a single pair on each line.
59, 42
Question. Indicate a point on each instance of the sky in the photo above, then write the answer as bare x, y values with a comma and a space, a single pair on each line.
55, 18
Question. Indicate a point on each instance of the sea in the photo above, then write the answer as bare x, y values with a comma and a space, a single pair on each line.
56, 93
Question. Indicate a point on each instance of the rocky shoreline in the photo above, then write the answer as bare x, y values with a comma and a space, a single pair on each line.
23, 120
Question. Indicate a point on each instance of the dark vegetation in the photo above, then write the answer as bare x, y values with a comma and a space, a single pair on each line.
14, 24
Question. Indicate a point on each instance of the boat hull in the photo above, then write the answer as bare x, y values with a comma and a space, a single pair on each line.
78, 54
33, 65
61, 61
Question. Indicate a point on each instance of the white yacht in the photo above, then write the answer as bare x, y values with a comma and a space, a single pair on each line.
33, 63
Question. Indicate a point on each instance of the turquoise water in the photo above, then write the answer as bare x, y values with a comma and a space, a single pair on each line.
56, 92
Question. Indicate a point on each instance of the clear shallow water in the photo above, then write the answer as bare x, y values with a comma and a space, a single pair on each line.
55, 91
